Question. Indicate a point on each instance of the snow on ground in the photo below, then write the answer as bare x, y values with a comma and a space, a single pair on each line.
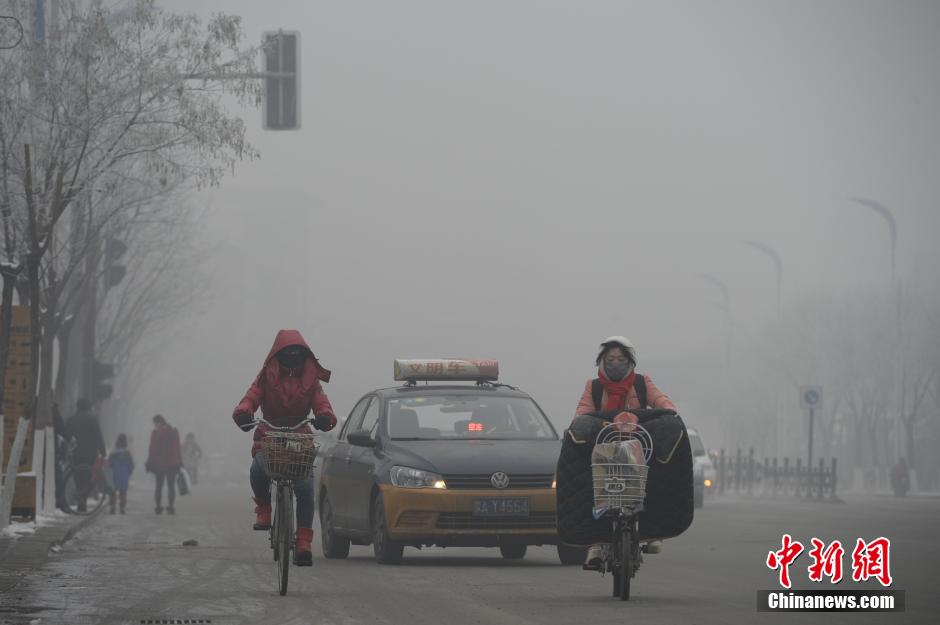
25, 528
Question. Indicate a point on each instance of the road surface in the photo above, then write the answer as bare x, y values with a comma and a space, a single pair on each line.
133, 569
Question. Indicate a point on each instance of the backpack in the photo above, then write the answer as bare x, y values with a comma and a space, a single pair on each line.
639, 385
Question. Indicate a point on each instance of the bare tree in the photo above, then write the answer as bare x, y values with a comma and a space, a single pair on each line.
116, 101
112, 105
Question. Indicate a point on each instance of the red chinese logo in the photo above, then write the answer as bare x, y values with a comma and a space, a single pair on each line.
782, 559
455, 368
871, 560
826, 562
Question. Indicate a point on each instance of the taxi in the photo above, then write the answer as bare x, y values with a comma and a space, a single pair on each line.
443, 464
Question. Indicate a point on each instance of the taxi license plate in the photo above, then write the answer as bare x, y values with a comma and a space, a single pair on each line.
501, 506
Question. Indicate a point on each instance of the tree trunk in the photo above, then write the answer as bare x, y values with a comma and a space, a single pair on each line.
32, 273
873, 441
10, 275
909, 440
13, 463
61, 379
45, 398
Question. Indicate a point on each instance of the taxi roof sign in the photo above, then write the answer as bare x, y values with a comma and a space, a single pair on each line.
446, 369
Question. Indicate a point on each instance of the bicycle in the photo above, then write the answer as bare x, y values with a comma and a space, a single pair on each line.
288, 456
82, 482
619, 470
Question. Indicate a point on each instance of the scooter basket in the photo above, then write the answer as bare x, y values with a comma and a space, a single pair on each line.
288, 455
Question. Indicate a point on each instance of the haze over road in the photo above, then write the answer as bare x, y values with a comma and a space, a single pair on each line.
130, 569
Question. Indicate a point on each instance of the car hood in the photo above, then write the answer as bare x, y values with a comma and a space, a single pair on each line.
476, 456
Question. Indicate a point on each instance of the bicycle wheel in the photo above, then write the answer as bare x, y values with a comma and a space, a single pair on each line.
285, 531
99, 493
73, 501
272, 532
622, 559
626, 560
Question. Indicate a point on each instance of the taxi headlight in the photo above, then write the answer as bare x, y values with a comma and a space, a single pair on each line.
406, 477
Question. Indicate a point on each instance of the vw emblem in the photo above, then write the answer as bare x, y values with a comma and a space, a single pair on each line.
499, 480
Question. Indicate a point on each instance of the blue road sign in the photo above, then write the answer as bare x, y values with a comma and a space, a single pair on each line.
810, 397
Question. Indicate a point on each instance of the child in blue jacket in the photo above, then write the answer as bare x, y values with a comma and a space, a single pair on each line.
122, 465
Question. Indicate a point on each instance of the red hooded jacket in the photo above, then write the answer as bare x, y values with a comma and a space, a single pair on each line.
164, 450
286, 396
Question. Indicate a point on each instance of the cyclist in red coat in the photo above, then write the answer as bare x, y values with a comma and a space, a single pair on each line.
286, 389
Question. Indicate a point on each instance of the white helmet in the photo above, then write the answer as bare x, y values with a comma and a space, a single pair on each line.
623, 342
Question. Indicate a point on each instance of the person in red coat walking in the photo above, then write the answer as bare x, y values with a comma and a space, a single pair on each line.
286, 389
164, 461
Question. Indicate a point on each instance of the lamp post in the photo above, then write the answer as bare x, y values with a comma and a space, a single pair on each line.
774, 256
890, 221
888, 216
725, 306
778, 264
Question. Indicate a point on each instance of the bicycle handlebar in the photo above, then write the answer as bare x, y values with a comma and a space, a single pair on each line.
307, 421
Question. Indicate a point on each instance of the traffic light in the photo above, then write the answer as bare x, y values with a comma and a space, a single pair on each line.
103, 371
281, 108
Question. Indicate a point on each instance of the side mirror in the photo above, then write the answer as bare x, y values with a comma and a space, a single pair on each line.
360, 438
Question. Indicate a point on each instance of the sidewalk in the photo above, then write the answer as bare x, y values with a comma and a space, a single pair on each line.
29, 551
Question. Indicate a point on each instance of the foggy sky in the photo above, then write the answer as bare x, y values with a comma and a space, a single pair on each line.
518, 180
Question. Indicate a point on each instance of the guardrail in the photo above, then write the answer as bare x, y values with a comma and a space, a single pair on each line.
745, 474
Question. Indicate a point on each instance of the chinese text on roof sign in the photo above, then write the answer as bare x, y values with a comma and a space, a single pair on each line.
446, 369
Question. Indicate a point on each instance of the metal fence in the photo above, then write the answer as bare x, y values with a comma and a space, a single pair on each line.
740, 473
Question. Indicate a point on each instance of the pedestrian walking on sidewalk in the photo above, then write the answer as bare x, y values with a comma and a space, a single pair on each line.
192, 454
83, 428
122, 465
60, 457
164, 461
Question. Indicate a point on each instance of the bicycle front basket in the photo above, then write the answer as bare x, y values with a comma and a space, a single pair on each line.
618, 486
619, 469
288, 455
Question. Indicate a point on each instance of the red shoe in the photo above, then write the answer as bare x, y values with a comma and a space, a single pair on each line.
303, 555
262, 514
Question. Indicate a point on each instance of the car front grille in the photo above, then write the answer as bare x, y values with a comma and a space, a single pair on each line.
482, 480
466, 521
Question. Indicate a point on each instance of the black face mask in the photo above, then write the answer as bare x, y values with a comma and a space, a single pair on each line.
292, 357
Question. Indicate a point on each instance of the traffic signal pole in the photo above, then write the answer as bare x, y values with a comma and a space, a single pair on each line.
90, 310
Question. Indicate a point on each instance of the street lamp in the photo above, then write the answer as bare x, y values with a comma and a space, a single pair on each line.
725, 306
778, 264
888, 216
892, 224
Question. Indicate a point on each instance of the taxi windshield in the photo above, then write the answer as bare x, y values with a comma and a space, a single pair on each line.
435, 417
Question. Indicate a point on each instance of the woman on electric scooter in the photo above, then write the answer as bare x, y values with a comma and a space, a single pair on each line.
287, 389
617, 390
